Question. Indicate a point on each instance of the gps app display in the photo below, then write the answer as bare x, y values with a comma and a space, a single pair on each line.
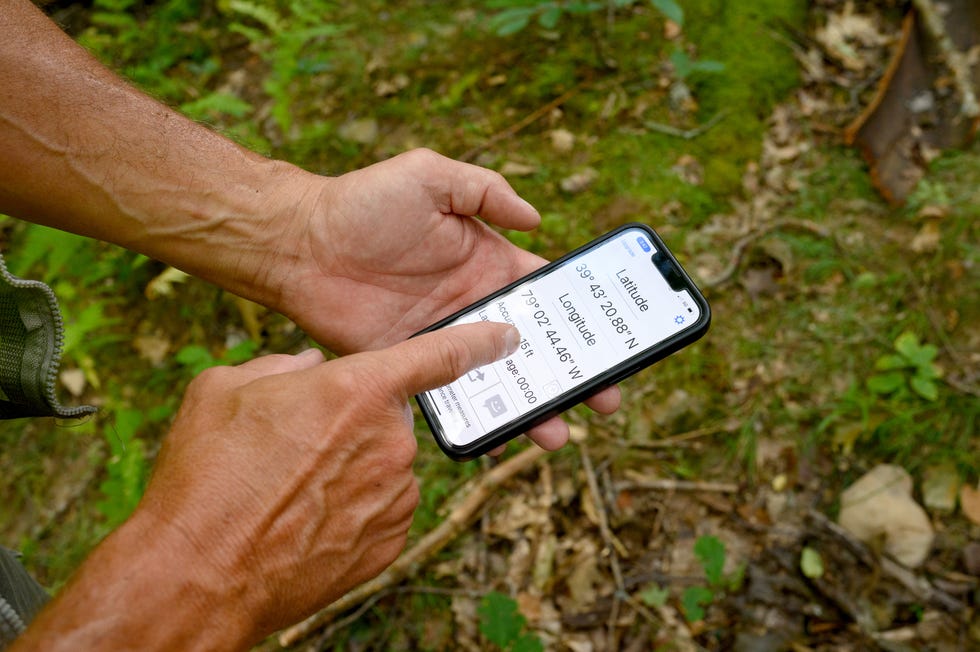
596, 310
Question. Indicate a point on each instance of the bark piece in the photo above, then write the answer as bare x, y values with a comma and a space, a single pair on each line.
919, 108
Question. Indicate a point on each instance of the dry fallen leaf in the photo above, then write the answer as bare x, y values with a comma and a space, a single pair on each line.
562, 140
970, 503
939, 487
926, 240
880, 505
585, 576
580, 181
847, 33
515, 169
74, 381
153, 348
163, 284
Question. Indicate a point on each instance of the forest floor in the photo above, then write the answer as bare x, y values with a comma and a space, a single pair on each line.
706, 513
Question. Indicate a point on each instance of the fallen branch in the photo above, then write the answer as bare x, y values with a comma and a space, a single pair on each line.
409, 563
743, 243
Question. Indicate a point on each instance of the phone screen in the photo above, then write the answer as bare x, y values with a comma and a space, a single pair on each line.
591, 313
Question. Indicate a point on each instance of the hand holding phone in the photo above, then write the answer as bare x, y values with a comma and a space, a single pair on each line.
588, 320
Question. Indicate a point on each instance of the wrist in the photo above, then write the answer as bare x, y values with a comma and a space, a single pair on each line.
237, 229
145, 587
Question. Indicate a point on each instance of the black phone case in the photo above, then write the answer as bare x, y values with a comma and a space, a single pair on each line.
575, 396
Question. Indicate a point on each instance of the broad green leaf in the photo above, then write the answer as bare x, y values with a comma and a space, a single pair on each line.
710, 550
670, 9
681, 62
241, 352
924, 387
510, 21
918, 354
886, 383
890, 362
549, 17
923, 356
655, 596
528, 643
693, 601
707, 65
500, 621
195, 358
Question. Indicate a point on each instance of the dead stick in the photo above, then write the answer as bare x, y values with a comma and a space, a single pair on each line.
674, 440
956, 61
411, 560
742, 244
667, 484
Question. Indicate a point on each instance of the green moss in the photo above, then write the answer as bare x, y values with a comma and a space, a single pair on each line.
759, 71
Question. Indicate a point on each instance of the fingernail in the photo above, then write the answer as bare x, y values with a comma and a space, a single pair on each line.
512, 339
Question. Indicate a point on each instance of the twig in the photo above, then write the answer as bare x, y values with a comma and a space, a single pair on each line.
955, 60
412, 560
613, 545
738, 250
398, 590
674, 440
917, 585
669, 484
532, 117
686, 134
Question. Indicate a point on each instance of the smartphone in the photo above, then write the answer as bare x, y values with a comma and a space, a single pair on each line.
587, 321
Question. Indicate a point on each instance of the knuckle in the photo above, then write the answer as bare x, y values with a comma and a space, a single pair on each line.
403, 452
209, 379
423, 154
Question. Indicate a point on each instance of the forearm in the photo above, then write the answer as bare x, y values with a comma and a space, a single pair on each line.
141, 590
85, 152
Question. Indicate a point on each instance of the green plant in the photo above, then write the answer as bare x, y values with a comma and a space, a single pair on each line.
150, 42
126, 468
294, 43
504, 626
516, 15
685, 66
196, 358
910, 367
710, 552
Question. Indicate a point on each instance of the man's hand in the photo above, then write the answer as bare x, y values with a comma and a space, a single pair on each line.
389, 249
284, 483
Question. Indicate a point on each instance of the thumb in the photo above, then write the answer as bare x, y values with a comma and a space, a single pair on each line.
440, 357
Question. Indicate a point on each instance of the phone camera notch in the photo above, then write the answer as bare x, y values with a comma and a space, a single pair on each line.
669, 271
